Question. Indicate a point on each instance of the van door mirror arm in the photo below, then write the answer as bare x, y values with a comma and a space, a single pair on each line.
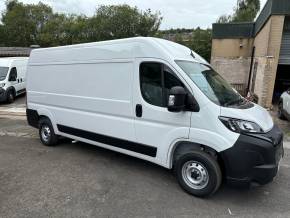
180, 100
191, 103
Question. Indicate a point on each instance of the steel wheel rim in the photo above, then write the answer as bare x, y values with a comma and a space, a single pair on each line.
195, 175
45, 133
10, 96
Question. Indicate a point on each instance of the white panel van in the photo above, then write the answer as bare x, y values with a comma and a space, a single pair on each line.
12, 78
155, 100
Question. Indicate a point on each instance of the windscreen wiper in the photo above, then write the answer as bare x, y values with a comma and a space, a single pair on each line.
236, 101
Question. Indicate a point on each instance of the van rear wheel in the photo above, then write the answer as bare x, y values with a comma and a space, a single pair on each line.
198, 173
46, 132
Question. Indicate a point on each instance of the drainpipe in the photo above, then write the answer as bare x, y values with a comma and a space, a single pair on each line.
251, 70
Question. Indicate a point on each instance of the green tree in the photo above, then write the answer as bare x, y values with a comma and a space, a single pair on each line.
122, 21
2, 36
200, 40
23, 23
27, 24
224, 19
64, 29
179, 38
246, 11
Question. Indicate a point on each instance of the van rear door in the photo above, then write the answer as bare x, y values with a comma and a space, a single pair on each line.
155, 126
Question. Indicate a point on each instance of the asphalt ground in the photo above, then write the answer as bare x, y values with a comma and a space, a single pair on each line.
82, 180
19, 100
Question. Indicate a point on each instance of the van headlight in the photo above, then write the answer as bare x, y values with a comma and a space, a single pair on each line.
240, 126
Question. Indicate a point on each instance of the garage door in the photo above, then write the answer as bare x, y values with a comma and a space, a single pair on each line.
285, 45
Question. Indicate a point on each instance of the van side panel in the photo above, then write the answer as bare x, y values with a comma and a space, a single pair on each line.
94, 97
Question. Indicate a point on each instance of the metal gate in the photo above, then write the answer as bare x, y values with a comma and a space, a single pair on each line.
285, 45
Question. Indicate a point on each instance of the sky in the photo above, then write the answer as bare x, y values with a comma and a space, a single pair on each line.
175, 13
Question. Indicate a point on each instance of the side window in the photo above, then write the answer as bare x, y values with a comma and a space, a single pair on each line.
13, 74
151, 83
170, 80
156, 81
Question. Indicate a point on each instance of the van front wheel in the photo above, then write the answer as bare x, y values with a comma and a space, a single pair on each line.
198, 173
10, 96
46, 132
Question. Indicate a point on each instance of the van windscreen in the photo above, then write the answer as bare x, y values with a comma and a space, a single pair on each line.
211, 83
3, 72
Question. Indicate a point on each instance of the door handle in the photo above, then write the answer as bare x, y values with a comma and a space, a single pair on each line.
138, 110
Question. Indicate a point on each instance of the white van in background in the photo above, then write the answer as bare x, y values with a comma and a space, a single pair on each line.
155, 100
12, 78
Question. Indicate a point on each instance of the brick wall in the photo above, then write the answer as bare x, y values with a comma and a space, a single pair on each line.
233, 61
268, 42
277, 24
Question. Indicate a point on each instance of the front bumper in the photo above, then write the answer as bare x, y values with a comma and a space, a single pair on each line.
254, 158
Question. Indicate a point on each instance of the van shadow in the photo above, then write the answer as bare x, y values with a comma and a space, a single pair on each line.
20, 99
231, 196
115, 157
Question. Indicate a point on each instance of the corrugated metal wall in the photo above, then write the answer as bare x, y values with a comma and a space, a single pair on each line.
248, 30
233, 30
285, 45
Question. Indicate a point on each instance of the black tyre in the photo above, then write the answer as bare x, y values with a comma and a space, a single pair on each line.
46, 132
10, 96
280, 111
198, 173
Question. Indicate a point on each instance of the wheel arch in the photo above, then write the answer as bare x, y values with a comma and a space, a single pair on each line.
11, 88
44, 113
183, 147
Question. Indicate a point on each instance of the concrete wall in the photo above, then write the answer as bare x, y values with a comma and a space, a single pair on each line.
231, 48
234, 70
231, 60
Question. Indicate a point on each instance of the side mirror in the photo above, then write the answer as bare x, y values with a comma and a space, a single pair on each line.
191, 104
176, 99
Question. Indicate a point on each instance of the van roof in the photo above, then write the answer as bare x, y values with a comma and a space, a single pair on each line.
138, 47
8, 61
14, 58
